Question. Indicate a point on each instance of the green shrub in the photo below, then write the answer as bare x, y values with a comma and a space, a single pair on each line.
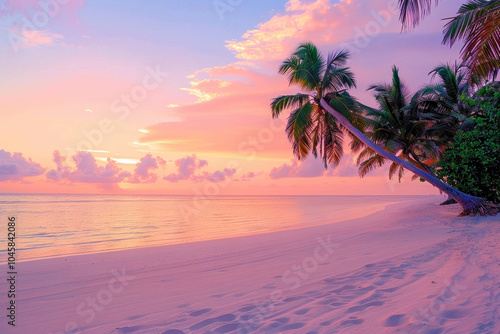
472, 162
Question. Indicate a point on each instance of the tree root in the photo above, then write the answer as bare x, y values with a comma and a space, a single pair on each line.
448, 202
481, 207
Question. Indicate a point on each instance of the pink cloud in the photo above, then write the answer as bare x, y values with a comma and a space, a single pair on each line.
87, 170
188, 166
350, 24
32, 38
311, 167
15, 167
217, 176
319, 20
142, 172
307, 168
239, 111
248, 176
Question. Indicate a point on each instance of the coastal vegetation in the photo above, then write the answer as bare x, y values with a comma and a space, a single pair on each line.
325, 111
446, 133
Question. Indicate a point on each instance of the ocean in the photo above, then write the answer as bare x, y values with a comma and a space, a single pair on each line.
63, 225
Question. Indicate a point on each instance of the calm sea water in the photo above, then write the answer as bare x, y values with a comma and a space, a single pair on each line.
62, 225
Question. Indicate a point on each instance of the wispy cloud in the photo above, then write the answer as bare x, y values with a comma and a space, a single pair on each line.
34, 38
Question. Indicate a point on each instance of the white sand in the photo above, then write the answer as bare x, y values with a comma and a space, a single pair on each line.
411, 268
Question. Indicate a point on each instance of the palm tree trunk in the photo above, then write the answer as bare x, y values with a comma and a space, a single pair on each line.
449, 200
471, 205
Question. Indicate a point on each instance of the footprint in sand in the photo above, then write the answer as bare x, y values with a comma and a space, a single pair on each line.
282, 320
364, 306
395, 320
271, 326
238, 295
200, 312
289, 327
351, 322
227, 328
222, 318
328, 301
246, 308
135, 317
483, 327
454, 314
291, 299
302, 311
344, 288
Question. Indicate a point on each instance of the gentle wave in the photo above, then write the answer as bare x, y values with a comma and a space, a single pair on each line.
60, 225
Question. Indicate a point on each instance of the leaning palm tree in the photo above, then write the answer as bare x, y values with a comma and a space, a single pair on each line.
324, 83
477, 24
399, 129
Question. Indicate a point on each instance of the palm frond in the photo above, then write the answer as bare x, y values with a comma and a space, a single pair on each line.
370, 164
298, 130
333, 142
477, 24
287, 101
337, 77
413, 11
304, 67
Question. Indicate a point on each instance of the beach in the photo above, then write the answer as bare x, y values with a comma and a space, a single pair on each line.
413, 267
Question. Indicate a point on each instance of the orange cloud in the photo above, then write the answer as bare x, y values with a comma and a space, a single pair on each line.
229, 121
320, 21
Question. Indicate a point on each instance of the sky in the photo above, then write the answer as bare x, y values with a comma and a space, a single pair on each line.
172, 97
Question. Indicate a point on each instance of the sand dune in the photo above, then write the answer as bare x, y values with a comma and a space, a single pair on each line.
412, 268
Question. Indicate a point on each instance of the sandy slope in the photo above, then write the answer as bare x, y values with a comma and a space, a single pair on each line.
411, 268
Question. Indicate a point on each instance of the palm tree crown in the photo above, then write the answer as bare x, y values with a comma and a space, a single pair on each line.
398, 128
309, 127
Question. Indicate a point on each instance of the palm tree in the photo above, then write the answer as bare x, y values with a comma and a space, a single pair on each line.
477, 24
445, 97
443, 103
325, 84
398, 129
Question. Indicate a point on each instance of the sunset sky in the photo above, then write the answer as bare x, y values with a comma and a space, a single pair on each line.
172, 97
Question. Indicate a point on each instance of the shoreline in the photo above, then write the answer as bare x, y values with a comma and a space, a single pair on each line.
324, 222
375, 273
